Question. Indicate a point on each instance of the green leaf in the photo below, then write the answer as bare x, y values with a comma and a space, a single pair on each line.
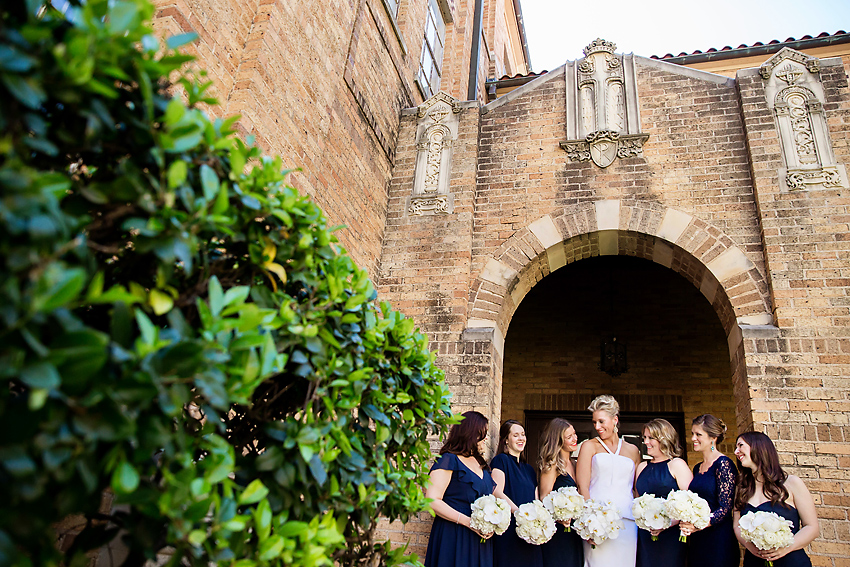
253, 493
27, 91
177, 172
209, 182
216, 296
122, 17
41, 375
63, 287
271, 548
146, 328
125, 479
174, 112
160, 302
180, 40
222, 200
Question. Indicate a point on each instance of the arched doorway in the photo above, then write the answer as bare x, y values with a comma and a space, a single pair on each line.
678, 362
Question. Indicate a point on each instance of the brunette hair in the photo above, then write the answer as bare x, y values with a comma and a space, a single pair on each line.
504, 433
550, 447
464, 437
766, 459
714, 426
666, 435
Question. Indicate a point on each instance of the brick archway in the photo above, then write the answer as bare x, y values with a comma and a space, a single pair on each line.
701, 253
687, 245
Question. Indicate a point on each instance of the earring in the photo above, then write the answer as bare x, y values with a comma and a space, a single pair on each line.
712, 448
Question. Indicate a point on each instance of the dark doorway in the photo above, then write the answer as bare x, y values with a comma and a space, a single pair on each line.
631, 428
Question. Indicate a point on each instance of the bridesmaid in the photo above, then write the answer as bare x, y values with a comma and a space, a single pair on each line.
458, 478
559, 440
518, 481
665, 472
714, 480
764, 486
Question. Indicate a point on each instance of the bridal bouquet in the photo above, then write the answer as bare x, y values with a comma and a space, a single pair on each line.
598, 521
564, 504
534, 523
490, 515
650, 513
766, 530
687, 506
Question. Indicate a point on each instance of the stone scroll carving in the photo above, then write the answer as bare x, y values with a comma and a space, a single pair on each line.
436, 131
602, 110
795, 94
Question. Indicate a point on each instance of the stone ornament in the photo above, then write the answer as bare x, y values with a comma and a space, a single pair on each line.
602, 110
436, 131
795, 94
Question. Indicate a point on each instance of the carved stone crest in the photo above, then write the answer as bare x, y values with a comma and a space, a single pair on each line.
436, 130
794, 92
602, 110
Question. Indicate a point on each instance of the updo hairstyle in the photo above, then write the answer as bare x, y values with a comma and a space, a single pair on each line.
605, 403
713, 426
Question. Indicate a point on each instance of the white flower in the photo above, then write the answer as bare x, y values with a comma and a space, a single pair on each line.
687, 506
564, 504
490, 515
650, 513
766, 530
534, 523
598, 521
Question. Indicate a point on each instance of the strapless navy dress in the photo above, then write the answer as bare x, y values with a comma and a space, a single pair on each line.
510, 550
667, 550
797, 558
451, 544
716, 545
565, 548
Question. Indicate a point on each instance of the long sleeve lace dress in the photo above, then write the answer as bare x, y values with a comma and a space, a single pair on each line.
715, 546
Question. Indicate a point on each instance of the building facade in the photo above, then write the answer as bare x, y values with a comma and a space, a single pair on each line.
675, 237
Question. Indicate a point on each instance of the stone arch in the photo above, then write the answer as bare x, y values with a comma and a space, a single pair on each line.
700, 252
697, 250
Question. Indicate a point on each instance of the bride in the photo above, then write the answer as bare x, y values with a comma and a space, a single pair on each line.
606, 471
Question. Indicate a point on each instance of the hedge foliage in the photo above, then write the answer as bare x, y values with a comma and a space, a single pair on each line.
179, 326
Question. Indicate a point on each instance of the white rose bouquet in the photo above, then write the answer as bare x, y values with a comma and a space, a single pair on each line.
490, 515
687, 506
650, 513
534, 523
565, 504
766, 530
598, 521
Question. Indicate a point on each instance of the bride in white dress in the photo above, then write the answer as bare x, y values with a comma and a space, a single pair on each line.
606, 471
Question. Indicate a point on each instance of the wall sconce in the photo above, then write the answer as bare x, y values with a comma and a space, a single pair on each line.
612, 356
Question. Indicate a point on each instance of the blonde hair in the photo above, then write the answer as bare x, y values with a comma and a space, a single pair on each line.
550, 447
666, 435
605, 403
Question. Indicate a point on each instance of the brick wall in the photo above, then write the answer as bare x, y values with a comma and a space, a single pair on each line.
759, 310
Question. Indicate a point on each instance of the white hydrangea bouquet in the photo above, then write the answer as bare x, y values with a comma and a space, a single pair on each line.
599, 521
687, 506
650, 513
565, 504
766, 530
534, 523
490, 515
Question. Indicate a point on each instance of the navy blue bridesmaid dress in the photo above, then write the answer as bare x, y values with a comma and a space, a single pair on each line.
667, 550
510, 550
565, 549
451, 544
716, 545
797, 558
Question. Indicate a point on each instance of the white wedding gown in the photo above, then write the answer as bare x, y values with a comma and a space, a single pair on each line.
611, 478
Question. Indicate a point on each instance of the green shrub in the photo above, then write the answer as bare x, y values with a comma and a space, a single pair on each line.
181, 332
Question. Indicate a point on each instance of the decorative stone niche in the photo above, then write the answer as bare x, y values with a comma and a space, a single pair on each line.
602, 110
436, 132
795, 95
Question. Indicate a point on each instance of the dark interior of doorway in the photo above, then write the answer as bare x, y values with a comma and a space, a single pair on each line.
631, 428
